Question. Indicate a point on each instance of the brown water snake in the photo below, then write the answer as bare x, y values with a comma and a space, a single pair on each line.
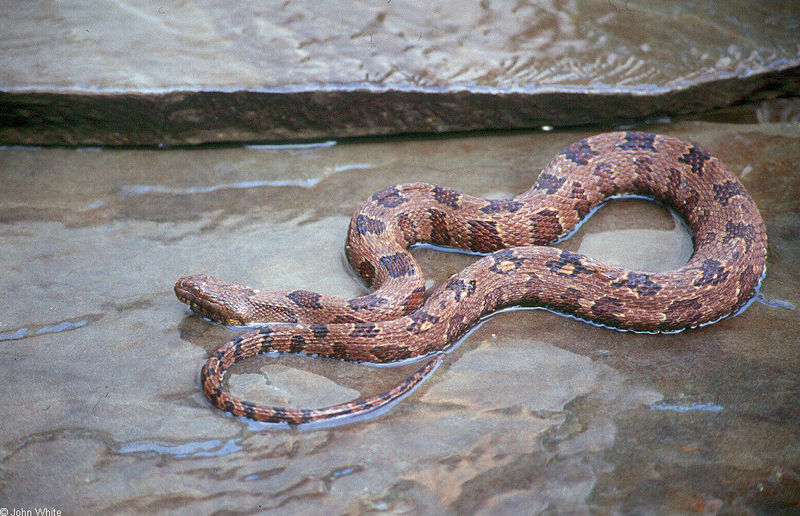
396, 321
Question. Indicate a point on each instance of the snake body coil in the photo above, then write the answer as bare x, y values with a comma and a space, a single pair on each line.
396, 321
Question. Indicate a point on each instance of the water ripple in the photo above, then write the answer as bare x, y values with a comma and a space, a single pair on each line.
210, 448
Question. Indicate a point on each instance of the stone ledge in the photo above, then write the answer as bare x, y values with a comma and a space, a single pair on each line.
196, 117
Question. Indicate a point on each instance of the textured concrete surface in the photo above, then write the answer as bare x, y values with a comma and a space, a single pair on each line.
141, 73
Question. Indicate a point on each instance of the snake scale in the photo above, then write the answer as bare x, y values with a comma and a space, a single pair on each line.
398, 321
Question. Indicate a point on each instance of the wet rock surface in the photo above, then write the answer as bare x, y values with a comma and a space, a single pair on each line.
138, 73
531, 413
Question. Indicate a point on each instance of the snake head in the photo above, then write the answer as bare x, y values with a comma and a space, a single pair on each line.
221, 301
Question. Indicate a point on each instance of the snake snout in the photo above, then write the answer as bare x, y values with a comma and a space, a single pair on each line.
210, 298
189, 288
195, 292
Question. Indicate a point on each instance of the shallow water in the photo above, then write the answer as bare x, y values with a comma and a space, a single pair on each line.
645, 46
532, 412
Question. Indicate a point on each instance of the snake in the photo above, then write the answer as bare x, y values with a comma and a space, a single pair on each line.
517, 265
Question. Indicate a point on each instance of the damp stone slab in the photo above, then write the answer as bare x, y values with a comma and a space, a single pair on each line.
143, 73
531, 413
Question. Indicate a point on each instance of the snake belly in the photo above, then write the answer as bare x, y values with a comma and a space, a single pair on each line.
396, 321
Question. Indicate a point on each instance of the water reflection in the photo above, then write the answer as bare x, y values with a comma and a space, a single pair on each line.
210, 448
